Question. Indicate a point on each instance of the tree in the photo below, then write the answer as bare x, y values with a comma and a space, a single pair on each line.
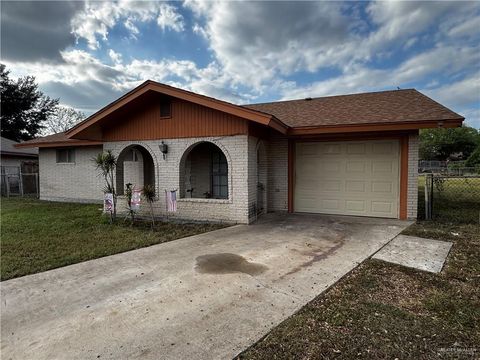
106, 162
24, 107
441, 144
474, 158
63, 119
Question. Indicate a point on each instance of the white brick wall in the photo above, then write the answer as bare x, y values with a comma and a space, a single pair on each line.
167, 177
278, 175
257, 173
80, 181
277, 189
76, 182
412, 198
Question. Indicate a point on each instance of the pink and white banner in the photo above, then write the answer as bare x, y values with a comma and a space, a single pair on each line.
171, 200
108, 204
136, 199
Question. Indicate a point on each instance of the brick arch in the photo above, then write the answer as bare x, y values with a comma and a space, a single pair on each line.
188, 149
147, 155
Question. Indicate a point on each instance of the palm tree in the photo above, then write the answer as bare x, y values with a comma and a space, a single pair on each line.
106, 163
149, 195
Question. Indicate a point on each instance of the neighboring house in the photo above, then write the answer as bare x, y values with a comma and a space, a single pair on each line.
353, 154
14, 162
12, 157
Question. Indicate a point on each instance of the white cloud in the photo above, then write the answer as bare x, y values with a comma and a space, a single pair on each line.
99, 17
256, 41
460, 93
447, 59
168, 18
84, 82
472, 117
259, 47
116, 57
130, 26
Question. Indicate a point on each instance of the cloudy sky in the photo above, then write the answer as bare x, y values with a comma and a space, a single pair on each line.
89, 53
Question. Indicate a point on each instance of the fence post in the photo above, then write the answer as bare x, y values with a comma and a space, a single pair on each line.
8, 185
20, 183
37, 186
428, 196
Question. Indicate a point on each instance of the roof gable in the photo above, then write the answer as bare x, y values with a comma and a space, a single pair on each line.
148, 86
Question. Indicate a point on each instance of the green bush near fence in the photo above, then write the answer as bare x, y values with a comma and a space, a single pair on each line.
455, 199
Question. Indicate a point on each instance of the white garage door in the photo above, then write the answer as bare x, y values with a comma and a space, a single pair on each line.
349, 177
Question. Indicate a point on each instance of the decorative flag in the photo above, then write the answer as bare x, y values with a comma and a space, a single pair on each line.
136, 199
171, 200
108, 205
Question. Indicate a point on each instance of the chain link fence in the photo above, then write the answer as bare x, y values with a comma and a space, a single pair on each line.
13, 182
450, 199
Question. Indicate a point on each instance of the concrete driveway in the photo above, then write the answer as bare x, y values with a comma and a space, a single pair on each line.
203, 297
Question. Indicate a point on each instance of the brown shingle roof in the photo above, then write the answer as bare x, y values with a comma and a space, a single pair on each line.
7, 146
60, 138
367, 108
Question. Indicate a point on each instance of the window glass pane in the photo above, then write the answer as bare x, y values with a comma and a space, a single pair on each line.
60, 156
215, 180
224, 192
223, 180
65, 155
71, 155
223, 168
165, 109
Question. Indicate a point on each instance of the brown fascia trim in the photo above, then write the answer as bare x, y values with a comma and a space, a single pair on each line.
18, 154
407, 125
253, 115
58, 144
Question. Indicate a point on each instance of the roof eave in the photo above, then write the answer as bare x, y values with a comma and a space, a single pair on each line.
18, 154
51, 144
398, 126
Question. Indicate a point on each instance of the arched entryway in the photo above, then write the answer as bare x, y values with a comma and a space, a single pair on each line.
135, 166
204, 172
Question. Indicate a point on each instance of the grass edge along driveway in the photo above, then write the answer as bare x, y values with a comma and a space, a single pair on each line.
39, 235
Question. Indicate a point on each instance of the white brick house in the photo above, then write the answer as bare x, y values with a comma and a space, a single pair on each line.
352, 154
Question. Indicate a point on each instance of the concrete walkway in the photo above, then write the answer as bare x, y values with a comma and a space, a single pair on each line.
418, 253
208, 296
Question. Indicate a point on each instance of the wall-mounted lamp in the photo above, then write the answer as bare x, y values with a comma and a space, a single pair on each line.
164, 149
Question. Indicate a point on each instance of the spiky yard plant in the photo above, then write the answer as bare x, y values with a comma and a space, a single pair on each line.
106, 163
149, 195
128, 195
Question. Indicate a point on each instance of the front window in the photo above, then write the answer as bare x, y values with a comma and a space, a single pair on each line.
219, 176
165, 109
65, 155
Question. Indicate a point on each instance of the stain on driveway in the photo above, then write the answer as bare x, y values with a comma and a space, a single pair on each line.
226, 263
208, 296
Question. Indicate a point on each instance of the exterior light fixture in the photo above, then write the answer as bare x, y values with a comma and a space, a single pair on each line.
164, 149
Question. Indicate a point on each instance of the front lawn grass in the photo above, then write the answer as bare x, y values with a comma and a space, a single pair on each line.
381, 310
39, 235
